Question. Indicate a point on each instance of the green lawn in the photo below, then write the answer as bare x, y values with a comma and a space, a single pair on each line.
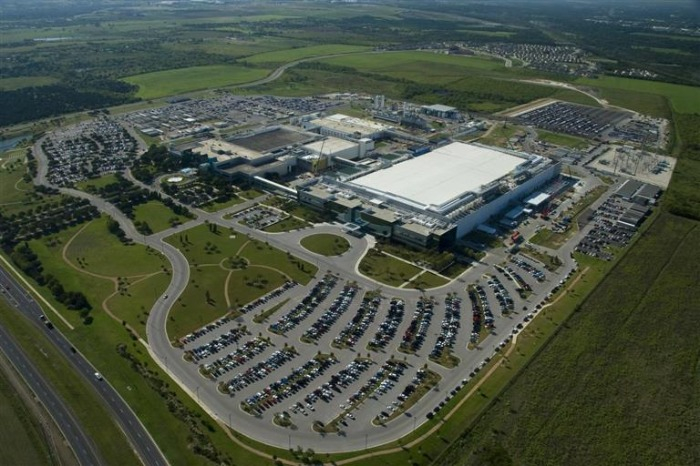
217, 206
98, 251
158, 216
289, 55
182, 80
427, 280
133, 304
326, 244
260, 318
259, 253
612, 362
288, 224
205, 248
684, 99
562, 139
386, 269
96, 183
13, 189
192, 309
202, 245
22, 435
500, 134
247, 285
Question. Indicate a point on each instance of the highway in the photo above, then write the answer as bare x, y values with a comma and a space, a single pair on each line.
72, 431
141, 441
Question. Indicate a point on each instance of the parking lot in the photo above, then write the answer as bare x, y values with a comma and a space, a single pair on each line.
260, 217
579, 120
88, 150
339, 358
185, 117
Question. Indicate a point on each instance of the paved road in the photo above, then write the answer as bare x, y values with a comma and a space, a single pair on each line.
137, 435
72, 431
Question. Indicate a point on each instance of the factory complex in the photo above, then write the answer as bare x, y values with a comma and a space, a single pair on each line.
436, 198
424, 199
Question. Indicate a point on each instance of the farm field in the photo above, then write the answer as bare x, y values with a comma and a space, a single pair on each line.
613, 359
183, 80
289, 55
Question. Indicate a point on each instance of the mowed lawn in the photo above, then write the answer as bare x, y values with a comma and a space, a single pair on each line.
386, 269
13, 189
96, 250
288, 55
326, 244
158, 216
208, 251
101, 253
621, 372
182, 80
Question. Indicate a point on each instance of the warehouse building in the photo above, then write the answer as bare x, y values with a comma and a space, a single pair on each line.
436, 198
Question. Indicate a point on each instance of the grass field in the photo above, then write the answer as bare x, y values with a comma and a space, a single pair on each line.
11, 84
613, 361
289, 55
98, 251
208, 250
562, 139
180, 81
326, 244
14, 191
500, 134
217, 206
684, 99
158, 216
386, 269
22, 438
289, 223
96, 183
427, 280
419, 66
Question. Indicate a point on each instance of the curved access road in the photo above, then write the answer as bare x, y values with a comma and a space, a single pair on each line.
136, 433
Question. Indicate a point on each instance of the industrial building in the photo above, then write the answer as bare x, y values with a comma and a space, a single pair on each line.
435, 198
271, 150
346, 127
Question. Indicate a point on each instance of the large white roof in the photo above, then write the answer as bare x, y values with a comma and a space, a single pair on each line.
438, 177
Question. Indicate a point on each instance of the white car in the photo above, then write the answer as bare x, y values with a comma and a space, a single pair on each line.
98, 376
